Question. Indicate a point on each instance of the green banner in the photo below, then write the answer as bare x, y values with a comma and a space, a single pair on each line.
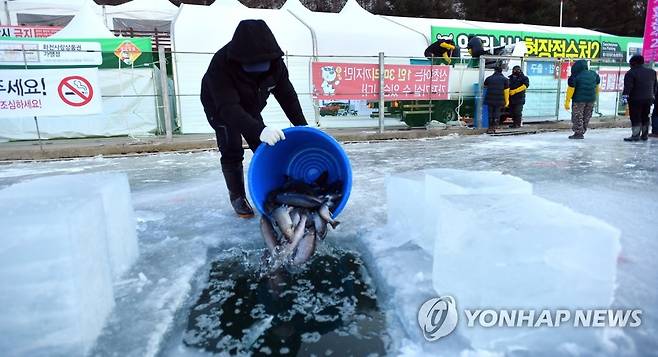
539, 44
54, 53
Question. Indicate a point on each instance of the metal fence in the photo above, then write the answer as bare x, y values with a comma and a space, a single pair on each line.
412, 92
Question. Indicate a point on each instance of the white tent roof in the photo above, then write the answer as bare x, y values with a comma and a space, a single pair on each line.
215, 26
356, 32
143, 10
228, 3
85, 24
44, 7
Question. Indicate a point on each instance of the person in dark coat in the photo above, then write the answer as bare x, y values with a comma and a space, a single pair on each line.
497, 97
518, 84
583, 87
234, 91
443, 48
640, 89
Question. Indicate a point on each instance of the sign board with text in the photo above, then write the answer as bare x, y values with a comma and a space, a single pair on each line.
49, 92
361, 81
51, 53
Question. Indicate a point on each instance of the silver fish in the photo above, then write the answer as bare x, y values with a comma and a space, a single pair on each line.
306, 248
326, 215
269, 234
297, 237
282, 218
298, 200
319, 225
294, 215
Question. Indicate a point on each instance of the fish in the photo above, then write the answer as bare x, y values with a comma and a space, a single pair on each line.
282, 218
326, 215
269, 234
294, 215
298, 200
319, 225
306, 247
297, 237
321, 181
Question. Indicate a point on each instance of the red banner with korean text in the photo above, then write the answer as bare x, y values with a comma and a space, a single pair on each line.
612, 81
361, 81
28, 31
650, 43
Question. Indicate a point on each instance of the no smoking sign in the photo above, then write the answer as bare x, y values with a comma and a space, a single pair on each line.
75, 91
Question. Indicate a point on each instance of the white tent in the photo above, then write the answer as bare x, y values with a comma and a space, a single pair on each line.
228, 3
356, 32
149, 13
85, 24
199, 31
43, 12
127, 95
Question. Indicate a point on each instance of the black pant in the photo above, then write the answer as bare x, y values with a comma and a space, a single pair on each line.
494, 115
639, 112
229, 142
516, 110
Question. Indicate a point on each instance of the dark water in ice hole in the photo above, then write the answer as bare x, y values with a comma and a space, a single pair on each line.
326, 307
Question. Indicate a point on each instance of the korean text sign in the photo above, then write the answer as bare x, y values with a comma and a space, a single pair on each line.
650, 45
49, 92
361, 81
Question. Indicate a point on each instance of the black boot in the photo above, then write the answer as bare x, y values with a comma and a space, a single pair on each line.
234, 177
645, 133
635, 136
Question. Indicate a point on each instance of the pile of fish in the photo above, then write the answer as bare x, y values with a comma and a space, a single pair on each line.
299, 214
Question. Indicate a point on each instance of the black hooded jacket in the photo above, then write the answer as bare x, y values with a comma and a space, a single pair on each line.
640, 84
233, 97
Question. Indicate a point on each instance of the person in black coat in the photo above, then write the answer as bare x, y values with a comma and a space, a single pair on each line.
497, 97
518, 84
640, 89
234, 91
443, 48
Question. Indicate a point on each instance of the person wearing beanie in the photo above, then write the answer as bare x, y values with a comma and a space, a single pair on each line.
497, 97
640, 87
583, 87
518, 84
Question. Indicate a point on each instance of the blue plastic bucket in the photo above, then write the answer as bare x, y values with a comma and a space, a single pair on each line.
304, 155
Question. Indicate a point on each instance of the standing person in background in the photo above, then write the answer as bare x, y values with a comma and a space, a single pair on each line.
583, 89
518, 84
640, 88
443, 48
475, 49
497, 97
234, 91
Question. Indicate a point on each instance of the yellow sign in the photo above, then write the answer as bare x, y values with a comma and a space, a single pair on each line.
127, 52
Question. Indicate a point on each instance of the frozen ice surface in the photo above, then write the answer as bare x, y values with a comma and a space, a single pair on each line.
521, 251
114, 190
183, 215
54, 271
413, 198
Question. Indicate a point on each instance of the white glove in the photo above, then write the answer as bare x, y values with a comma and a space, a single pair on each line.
271, 135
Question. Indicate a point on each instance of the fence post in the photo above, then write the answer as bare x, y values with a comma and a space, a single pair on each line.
164, 91
559, 89
480, 94
381, 92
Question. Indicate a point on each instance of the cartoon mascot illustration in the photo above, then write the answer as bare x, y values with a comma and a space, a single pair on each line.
329, 80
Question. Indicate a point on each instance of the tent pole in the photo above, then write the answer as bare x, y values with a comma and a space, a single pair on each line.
164, 90
381, 92
7, 13
36, 123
